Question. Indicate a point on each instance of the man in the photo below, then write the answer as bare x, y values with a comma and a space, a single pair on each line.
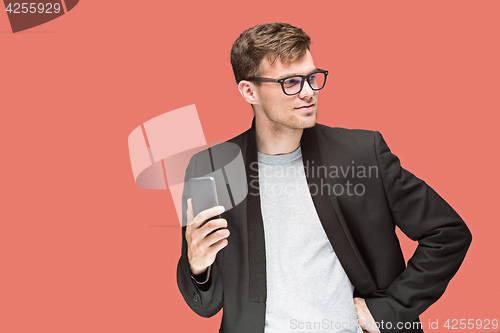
320, 253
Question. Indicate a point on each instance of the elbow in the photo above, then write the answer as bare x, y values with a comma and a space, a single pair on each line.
467, 237
463, 239
207, 314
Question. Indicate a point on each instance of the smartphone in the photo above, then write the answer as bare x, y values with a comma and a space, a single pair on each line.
203, 195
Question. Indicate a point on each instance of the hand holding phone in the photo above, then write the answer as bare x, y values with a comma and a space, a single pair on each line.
206, 232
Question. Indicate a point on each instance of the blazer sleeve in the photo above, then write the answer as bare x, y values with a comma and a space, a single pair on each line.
204, 299
443, 240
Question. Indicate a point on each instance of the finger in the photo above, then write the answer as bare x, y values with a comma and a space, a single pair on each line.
216, 247
212, 225
216, 236
208, 213
189, 212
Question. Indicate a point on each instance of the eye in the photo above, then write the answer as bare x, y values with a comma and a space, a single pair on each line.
313, 77
291, 82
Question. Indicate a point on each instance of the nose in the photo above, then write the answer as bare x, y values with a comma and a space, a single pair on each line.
306, 91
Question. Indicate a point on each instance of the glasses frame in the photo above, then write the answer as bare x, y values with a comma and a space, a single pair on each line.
282, 80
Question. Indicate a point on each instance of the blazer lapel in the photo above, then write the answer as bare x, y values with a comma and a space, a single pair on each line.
256, 245
328, 211
331, 217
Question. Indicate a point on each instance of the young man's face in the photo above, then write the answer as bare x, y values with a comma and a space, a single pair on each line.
280, 111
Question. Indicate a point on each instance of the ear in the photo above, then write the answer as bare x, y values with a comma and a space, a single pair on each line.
248, 92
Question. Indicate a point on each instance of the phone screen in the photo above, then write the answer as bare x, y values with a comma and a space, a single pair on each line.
203, 194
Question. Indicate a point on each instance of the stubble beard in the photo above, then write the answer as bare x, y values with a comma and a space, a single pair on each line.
293, 122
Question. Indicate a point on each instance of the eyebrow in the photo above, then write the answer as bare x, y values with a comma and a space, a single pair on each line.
293, 74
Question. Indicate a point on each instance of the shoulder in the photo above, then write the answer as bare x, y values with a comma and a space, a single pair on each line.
340, 131
220, 154
352, 138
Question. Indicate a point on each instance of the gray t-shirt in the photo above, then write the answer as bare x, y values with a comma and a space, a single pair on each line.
307, 288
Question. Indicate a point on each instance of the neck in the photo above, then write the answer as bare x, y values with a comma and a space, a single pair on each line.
275, 139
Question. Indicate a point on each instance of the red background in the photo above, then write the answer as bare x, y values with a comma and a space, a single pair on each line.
83, 249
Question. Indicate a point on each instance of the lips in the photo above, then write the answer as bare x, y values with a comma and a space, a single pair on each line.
305, 107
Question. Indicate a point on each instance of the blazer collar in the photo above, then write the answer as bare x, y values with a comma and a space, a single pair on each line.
328, 211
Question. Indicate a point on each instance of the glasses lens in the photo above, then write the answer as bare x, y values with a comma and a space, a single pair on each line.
317, 80
292, 84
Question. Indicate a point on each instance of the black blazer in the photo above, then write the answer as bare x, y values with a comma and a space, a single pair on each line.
361, 229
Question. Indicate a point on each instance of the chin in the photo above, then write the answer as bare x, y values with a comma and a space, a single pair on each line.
309, 125
308, 122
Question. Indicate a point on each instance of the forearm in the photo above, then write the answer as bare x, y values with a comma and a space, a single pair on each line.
204, 299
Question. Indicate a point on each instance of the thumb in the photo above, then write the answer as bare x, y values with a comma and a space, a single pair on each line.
189, 212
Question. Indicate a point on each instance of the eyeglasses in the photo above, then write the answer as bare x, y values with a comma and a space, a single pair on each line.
292, 85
